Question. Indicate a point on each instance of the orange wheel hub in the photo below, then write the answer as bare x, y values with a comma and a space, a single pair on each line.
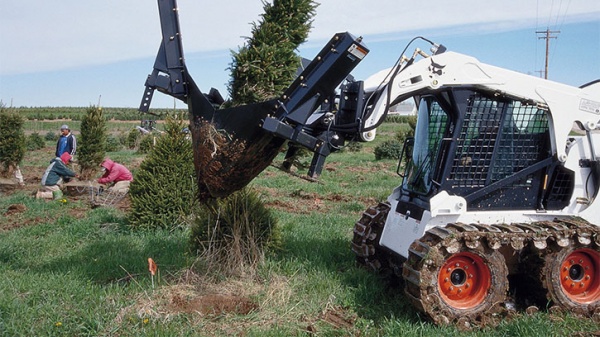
580, 276
464, 280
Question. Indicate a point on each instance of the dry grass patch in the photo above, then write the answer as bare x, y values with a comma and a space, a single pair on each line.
226, 307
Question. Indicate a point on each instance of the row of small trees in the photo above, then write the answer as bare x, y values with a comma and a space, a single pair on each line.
230, 232
13, 142
233, 232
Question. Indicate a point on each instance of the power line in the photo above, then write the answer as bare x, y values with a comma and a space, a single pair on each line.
547, 36
558, 26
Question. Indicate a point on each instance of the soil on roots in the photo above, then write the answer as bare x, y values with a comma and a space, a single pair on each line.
224, 163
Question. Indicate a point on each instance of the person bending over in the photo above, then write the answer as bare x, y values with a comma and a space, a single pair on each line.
54, 175
117, 174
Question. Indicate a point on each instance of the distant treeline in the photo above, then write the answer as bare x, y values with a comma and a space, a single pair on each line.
77, 113
124, 114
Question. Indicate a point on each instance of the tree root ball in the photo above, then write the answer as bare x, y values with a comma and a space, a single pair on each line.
226, 163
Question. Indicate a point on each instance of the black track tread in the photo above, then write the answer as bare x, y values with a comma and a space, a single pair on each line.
542, 239
546, 237
365, 242
420, 275
583, 235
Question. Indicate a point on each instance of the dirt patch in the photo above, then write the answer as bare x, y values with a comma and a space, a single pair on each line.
213, 304
308, 202
369, 169
125, 204
9, 188
15, 209
222, 308
587, 334
78, 213
202, 296
338, 317
17, 222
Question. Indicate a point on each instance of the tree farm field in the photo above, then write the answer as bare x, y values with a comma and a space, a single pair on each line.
67, 269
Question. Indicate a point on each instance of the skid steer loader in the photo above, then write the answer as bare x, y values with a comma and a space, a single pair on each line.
497, 206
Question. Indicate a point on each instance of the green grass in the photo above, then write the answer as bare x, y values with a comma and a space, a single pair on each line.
67, 270
72, 276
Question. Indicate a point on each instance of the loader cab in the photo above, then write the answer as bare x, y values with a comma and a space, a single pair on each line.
492, 150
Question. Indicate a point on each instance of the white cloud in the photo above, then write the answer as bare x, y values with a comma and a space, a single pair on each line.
42, 35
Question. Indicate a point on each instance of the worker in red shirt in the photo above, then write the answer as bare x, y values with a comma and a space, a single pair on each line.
117, 174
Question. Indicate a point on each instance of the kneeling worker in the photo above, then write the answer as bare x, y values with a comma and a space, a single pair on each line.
54, 175
115, 173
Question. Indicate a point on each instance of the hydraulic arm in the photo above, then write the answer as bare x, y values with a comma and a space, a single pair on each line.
302, 116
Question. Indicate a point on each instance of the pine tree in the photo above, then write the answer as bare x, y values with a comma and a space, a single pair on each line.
266, 65
164, 188
12, 141
92, 143
235, 231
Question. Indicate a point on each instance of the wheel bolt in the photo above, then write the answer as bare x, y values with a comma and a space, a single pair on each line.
587, 277
572, 285
446, 280
580, 261
451, 288
581, 285
571, 261
459, 291
457, 265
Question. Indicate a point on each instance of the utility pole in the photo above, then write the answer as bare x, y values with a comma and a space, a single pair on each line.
547, 37
541, 72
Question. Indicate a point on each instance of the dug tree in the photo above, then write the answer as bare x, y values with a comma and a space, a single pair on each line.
234, 231
267, 63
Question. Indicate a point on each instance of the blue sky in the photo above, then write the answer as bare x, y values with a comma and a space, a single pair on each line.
77, 53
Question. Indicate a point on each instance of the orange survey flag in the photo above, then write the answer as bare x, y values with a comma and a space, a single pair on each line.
152, 266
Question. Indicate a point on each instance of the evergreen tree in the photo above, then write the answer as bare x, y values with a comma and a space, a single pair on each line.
164, 187
266, 65
12, 141
92, 143
235, 231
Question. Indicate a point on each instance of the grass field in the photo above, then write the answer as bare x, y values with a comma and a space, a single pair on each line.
69, 270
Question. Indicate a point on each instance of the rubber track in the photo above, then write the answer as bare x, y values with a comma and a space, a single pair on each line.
451, 239
542, 238
365, 243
